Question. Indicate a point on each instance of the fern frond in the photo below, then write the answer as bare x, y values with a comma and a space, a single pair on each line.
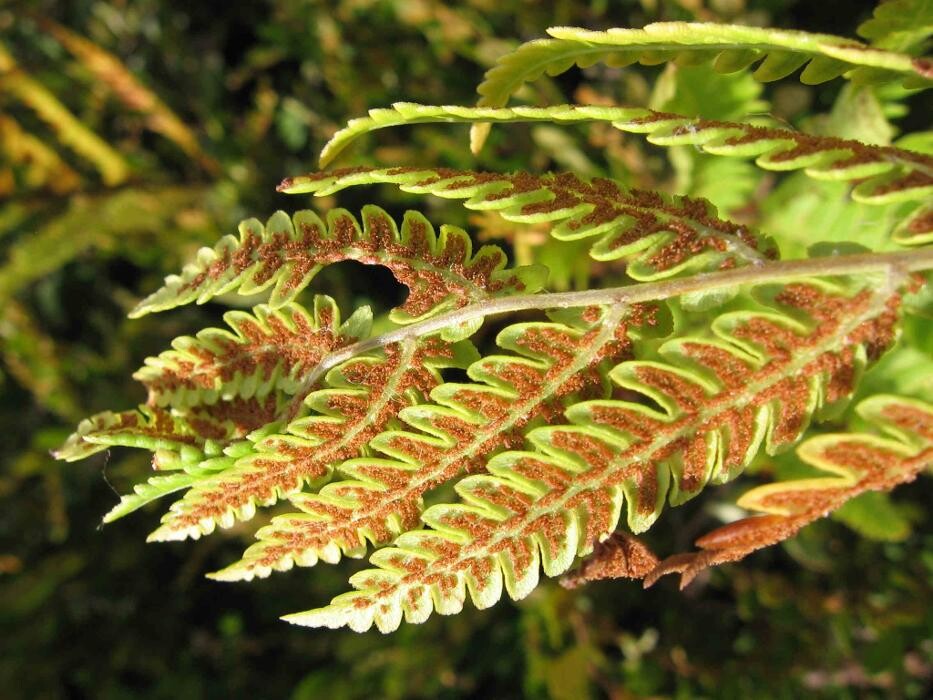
68, 128
380, 497
660, 236
729, 48
754, 381
596, 405
268, 350
885, 173
359, 400
860, 462
440, 269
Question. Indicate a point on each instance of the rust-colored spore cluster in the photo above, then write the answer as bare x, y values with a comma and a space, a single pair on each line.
263, 349
233, 419
376, 390
675, 228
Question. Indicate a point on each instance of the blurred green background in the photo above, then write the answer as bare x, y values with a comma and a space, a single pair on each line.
131, 132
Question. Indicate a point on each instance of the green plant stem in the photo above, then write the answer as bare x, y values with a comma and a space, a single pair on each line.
895, 264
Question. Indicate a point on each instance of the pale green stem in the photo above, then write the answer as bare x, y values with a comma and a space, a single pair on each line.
757, 273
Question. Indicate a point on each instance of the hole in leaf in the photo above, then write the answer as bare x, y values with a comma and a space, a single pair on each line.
353, 284
454, 374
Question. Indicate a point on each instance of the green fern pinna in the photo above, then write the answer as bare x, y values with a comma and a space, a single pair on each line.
711, 347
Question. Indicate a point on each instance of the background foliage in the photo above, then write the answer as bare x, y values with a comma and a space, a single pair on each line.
131, 133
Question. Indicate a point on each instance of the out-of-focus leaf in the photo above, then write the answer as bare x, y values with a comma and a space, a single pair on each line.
696, 91
41, 165
110, 71
899, 25
31, 357
856, 114
873, 515
68, 128
93, 221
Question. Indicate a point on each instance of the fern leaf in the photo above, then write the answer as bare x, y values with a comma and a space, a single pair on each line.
359, 400
380, 497
268, 350
440, 270
755, 381
886, 173
860, 463
660, 236
730, 48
